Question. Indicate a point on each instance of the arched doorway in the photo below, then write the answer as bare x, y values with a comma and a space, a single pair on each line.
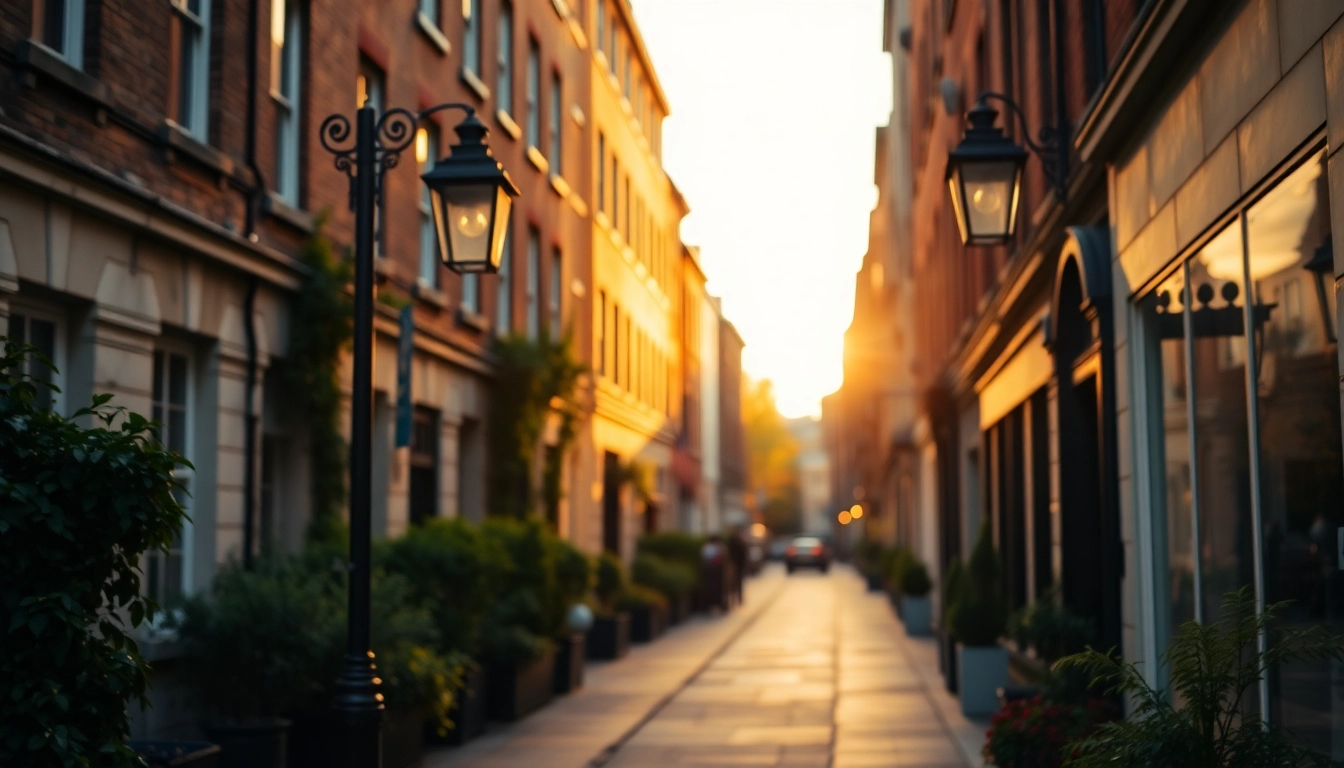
1083, 344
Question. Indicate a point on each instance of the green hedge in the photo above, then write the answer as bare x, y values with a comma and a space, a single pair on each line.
670, 578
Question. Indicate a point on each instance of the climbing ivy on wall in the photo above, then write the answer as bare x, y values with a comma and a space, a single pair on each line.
533, 376
320, 328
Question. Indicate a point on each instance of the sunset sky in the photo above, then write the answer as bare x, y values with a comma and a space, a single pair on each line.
774, 106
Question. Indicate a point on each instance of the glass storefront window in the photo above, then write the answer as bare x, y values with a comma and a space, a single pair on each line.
1301, 471
1207, 337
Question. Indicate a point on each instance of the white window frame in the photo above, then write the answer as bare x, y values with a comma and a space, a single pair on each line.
160, 627
193, 114
286, 91
504, 76
429, 9
471, 36
72, 33
426, 155
37, 312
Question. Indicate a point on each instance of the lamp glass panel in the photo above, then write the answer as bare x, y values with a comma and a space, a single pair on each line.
503, 208
989, 190
467, 211
958, 208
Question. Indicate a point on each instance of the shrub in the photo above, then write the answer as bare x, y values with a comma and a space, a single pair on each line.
573, 580
868, 557
673, 546
892, 566
1051, 629
78, 508
518, 623
415, 669
450, 568
978, 613
915, 581
637, 598
611, 581
1033, 733
1211, 668
670, 578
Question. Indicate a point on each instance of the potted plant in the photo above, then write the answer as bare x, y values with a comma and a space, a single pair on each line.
1211, 669
254, 648
610, 636
891, 569
916, 608
671, 579
678, 552
79, 506
953, 579
574, 579
1034, 732
648, 612
977, 618
868, 557
517, 627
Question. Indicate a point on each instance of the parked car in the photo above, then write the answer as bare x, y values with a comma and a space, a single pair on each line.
807, 552
777, 549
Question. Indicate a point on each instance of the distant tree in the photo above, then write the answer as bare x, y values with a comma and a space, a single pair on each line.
772, 458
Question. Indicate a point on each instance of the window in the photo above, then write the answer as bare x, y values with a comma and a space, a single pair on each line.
193, 66
613, 49
625, 219
60, 24
602, 332
504, 305
471, 36
1213, 443
533, 282
165, 573
601, 25
424, 465
625, 82
615, 193
601, 171
557, 290
616, 345
426, 155
504, 76
41, 332
471, 292
286, 53
369, 90
533, 95
557, 99
430, 10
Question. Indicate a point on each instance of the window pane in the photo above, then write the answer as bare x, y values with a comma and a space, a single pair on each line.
504, 314
504, 80
42, 334
1163, 313
157, 393
177, 390
53, 23
533, 282
186, 76
1222, 447
534, 96
471, 292
430, 8
1297, 393
557, 274
556, 123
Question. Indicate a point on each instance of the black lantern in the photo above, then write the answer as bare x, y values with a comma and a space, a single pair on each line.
984, 175
472, 196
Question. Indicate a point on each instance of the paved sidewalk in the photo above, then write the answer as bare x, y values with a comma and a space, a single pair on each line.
814, 672
616, 697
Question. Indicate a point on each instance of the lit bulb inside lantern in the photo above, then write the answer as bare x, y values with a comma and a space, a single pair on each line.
986, 199
474, 220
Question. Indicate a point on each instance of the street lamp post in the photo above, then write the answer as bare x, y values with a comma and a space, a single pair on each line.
472, 197
984, 172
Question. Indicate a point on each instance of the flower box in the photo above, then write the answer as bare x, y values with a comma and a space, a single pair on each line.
516, 690
570, 652
647, 624
917, 613
981, 672
610, 636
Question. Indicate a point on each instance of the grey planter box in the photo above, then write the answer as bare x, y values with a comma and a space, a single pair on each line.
981, 672
917, 612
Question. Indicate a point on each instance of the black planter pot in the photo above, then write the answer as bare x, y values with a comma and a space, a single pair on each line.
470, 709
610, 636
403, 737
261, 744
647, 625
569, 655
178, 754
517, 690
678, 610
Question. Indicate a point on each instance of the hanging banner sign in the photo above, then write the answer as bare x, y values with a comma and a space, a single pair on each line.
405, 346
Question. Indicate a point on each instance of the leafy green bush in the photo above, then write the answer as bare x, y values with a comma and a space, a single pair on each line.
518, 622
1211, 669
637, 598
450, 567
407, 648
1051, 629
78, 508
573, 580
670, 578
673, 546
611, 581
891, 567
978, 612
915, 581
868, 555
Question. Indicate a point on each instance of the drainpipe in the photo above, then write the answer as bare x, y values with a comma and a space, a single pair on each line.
250, 428
249, 323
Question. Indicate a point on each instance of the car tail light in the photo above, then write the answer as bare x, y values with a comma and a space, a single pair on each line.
816, 551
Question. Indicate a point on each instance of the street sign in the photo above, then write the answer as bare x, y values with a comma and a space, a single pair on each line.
405, 346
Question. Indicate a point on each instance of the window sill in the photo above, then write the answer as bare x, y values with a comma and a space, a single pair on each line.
472, 320
561, 9
473, 82
576, 29
433, 33
560, 186
427, 293
35, 58
276, 206
601, 218
507, 123
537, 159
600, 56
626, 107
382, 266
579, 206
176, 139
576, 114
